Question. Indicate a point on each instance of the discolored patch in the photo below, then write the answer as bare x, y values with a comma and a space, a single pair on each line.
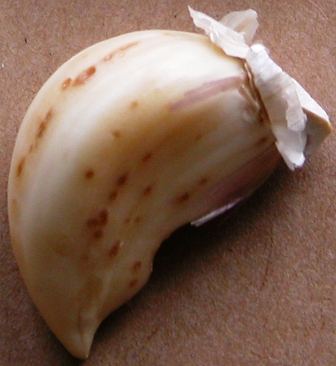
261, 141
134, 105
122, 180
43, 125
198, 136
203, 181
112, 196
109, 56
136, 266
120, 51
128, 46
133, 283
20, 167
148, 190
147, 157
137, 219
89, 174
113, 252
84, 76
116, 134
98, 234
182, 198
66, 83
100, 220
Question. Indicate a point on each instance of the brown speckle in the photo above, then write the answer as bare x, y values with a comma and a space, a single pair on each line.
203, 181
183, 198
109, 56
100, 220
261, 141
148, 190
127, 221
98, 234
128, 46
134, 104
112, 196
43, 125
41, 129
137, 219
20, 167
120, 51
199, 136
114, 249
147, 157
116, 134
103, 217
136, 266
84, 76
133, 283
66, 83
122, 180
89, 174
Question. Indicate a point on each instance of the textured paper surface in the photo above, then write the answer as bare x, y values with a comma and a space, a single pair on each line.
257, 289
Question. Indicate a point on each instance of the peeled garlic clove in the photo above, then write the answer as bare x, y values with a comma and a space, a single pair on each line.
128, 140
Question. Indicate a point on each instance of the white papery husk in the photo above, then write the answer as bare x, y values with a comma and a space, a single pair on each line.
291, 110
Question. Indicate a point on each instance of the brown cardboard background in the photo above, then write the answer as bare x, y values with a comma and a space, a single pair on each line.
258, 289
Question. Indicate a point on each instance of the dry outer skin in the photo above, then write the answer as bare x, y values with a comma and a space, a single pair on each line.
123, 166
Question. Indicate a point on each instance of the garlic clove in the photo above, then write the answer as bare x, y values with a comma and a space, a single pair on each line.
128, 140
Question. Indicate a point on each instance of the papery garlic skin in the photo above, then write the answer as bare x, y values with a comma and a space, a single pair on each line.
298, 122
127, 141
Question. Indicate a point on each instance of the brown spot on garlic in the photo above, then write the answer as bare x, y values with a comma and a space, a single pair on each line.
114, 249
133, 283
98, 234
116, 134
136, 266
122, 180
137, 219
199, 136
134, 104
147, 157
66, 83
262, 141
109, 56
182, 198
43, 125
20, 166
100, 220
103, 217
148, 190
203, 181
112, 196
120, 51
89, 174
84, 76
